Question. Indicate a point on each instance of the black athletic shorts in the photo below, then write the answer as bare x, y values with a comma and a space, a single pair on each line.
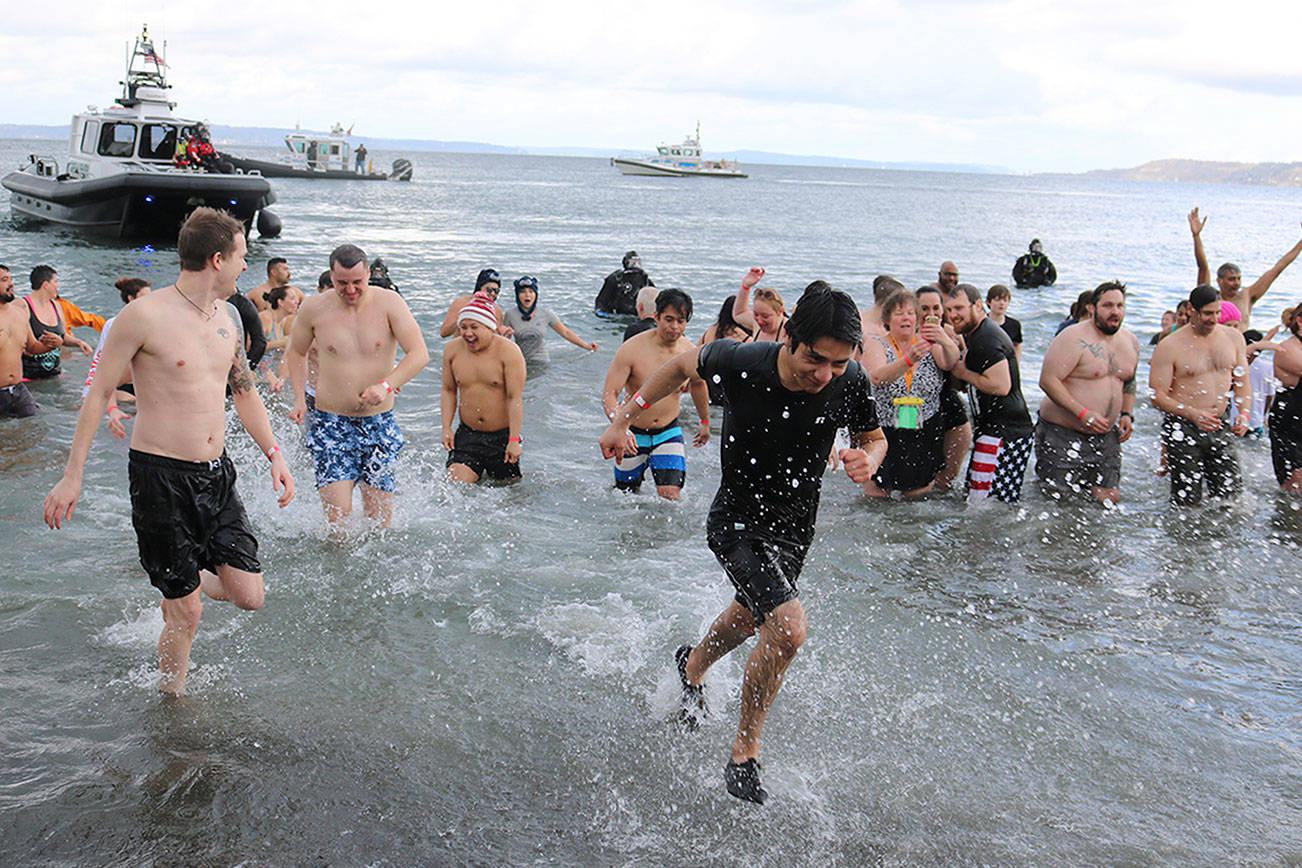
188, 517
762, 568
953, 408
484, 452
16, 402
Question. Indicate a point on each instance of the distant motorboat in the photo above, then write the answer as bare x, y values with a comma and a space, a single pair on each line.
679, 161
121, 175
320, 156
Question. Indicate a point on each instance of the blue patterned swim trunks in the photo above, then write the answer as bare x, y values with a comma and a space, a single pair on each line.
355, 448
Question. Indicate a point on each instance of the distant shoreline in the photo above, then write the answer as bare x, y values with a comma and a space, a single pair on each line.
1169, 170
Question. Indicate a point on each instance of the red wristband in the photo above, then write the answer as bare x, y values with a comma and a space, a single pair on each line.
514, 440
639, 400
1085, 411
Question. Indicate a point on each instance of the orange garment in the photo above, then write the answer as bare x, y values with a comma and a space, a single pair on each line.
75, 316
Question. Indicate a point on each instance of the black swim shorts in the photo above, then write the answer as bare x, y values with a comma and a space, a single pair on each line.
1194, 456
188, 517
953, 408
1285, 444
1068, 461
16, 402
484, 452
762, 568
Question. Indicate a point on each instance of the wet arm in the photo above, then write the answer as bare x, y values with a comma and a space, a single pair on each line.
515, 377
1161, 373
995, 380
741, 310
616, 379
1058, 364
1200, 256
664, 381
564, 331
1258, 289
449, 327
415, 353
300, 341
448, 396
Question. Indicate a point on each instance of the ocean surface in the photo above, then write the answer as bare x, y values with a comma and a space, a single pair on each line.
489, 682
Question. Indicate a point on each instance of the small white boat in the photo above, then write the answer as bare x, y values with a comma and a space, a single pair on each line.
679, 161
321, 156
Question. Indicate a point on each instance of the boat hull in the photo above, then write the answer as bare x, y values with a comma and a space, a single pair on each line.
273, 169
135, 205
667, 170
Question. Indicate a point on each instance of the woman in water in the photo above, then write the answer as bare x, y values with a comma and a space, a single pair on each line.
529, 323
906, 371
766, 318
277, 321
45, 315
488, 282
1286, 413
129, 289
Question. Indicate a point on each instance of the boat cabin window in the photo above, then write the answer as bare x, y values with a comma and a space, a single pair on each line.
334, 149
89, 133
117, 140
158, 142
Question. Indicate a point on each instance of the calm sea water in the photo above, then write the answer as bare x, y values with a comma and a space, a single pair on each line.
489, 681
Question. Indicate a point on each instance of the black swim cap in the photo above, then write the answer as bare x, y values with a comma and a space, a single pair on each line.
1203, 296
629, 257
488, 275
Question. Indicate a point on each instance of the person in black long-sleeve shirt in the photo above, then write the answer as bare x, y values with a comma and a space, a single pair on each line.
255, 341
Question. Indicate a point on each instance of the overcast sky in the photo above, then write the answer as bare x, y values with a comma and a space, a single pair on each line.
1031, 86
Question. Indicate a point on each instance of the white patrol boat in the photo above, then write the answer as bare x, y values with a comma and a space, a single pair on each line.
322, 157
131, 170
679, 161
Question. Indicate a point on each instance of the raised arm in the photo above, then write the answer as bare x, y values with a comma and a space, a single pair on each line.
1200, 256
741, 311
1258, 289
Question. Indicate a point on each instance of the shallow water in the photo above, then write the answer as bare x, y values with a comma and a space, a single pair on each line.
488, 682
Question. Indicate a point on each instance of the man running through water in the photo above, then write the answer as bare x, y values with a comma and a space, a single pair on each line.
183, 346
785, 404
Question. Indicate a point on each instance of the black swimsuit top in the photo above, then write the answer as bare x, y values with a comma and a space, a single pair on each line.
45, 364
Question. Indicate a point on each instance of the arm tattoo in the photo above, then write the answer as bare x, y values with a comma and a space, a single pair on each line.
240, 378
1128, 387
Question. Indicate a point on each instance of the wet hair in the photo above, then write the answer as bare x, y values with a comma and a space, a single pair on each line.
129, 287
894, 300
325, 281
205, 232
883, 286
1227, 269
1183, 305
347, 256
923, 290
726, 322
275, 296
274, 261
772, 297
973, 294
825, 313
1202, 296
40, 274
1082, 301
1103, 288
1253, 335
1293, 320
646, 297
998, 291
674, 298
815, 286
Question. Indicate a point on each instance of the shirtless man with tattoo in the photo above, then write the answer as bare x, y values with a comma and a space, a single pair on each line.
183, 347
1088, 378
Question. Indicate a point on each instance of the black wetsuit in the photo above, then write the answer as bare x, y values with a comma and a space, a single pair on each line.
1034, 269
618, 294
49, 363
773, 450
639, 326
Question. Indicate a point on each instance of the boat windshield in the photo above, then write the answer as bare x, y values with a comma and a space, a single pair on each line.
117, 140
158, 142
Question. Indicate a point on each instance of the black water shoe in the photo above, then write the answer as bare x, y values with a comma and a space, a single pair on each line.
743, 781
691, 704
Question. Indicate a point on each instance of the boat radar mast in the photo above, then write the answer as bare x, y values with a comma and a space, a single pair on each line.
144, 84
